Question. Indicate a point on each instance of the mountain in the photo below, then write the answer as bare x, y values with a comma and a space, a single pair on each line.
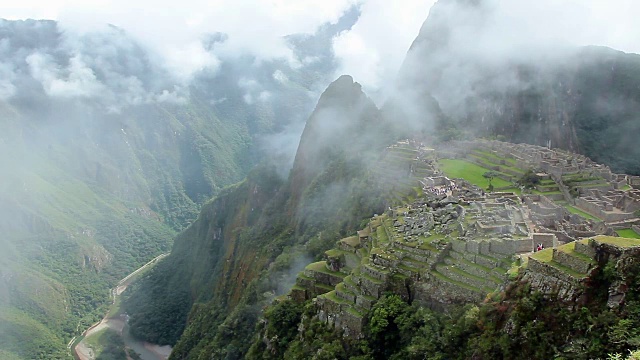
583, 99
249, 242
106, 155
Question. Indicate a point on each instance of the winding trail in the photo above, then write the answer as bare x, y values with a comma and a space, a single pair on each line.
82, 351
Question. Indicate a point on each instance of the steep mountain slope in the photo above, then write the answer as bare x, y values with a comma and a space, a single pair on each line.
244, 257
488, 84
530, 318
247, 242
105, 156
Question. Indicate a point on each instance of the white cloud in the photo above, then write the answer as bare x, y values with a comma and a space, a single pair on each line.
264, 96
77, 80
280, 77
174, 30
7, 89
372, 51
375, 47
173, 97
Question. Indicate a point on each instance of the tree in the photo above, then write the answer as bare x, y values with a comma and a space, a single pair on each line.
530, 179
489, 175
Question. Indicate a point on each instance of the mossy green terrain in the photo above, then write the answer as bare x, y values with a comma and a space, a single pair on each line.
628, 233
107, 344
462, 169
574, 210
618, 241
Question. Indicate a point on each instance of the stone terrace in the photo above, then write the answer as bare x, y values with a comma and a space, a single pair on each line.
448, 242
612, 205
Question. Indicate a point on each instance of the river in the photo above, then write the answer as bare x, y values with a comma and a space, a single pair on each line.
118, 323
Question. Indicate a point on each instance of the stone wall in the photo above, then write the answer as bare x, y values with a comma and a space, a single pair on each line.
547, 240
597, 211
572, 262
636, 228
585, 249
436, 181
339, 316
434, 292
552, 280
511, 246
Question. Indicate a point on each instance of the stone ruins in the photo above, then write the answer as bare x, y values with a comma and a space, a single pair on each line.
451, 242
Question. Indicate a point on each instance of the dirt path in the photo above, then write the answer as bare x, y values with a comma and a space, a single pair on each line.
153, 352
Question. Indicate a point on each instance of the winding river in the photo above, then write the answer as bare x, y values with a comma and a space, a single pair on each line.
118, 323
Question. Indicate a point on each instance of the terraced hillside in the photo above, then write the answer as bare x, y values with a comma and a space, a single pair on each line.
400, 170
412, 251
450, 242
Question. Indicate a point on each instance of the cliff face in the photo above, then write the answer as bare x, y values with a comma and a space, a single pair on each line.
105, 155
232, 259
243, 242
536, 94
333, 128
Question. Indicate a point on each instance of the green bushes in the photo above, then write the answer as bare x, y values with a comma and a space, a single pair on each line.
515, 324
529, 180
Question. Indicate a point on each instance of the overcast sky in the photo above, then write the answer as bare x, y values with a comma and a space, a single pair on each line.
372, 52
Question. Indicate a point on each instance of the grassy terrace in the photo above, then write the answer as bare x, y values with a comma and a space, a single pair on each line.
546, 192
471, 172
382, 236
628, 233
618, 241
493, 159
331, 295
335, 253
321, 267
585, 215
456, 282
324, 287
546, 256
352, 241
354, 311
570, 249
475, 277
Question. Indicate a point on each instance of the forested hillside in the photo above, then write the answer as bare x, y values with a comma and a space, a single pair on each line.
244, 258
105, 156
248, 243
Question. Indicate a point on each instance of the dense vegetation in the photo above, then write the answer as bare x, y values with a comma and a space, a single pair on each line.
514, 324
248, 243
229, 262
107, 344
93, 187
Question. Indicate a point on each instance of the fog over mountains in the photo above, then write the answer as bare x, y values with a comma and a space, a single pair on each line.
120, 121
107, 152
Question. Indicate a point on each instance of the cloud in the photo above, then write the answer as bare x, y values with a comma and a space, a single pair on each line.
175, 33
280, 77
373, 50
179, 37
375, 47
7, 76
76, 80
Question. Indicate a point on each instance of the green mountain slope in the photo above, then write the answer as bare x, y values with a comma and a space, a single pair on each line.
247, 242
94, 184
